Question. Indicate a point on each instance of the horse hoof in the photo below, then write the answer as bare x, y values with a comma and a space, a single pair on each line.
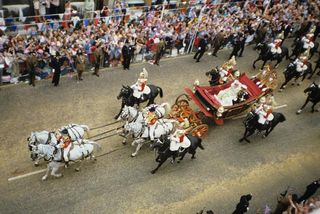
193, 157
36, 164
178, 161
153, 171
298, 84
299, 111
264, 136
133, 155
124, 142
240, 140
44, 178
77, 169
317, 110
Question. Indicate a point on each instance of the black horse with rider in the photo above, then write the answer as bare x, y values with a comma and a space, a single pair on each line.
251, 124
164, 152
126, 94
298, 49
313, 96
265, 55
292, 73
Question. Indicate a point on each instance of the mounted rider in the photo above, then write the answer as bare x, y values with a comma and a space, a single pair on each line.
275, 47
151, 120
178, 140
301, 64
264, 112
307, 41
63, 144
140, 87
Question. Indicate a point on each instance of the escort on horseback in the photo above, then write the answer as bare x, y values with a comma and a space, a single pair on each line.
261, 118
139, 92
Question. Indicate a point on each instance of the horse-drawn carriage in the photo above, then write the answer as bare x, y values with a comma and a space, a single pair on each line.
189, 120
207, 98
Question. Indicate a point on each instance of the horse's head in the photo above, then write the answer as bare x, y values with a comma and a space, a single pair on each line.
261, 47
162, 146
312, 88
42, 151
251, 119
125, 91
31, 140
34, 152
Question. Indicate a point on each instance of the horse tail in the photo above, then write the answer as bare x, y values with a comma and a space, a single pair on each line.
282, 118
200, 144
160, 91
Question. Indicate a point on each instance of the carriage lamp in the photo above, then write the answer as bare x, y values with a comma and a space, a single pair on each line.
220, 111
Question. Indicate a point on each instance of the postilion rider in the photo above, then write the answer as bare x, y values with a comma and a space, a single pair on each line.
63, 143
151, 120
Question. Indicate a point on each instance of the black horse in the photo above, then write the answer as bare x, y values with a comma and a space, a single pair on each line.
214, 77
265, 55
251, 124
292, 73
164, 152
313, 96
298, 49
126, 93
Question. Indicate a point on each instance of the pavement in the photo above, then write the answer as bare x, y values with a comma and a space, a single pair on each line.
117, 183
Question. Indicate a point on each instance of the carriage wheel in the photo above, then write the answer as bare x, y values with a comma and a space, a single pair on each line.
185, 114
200, 130
183, 103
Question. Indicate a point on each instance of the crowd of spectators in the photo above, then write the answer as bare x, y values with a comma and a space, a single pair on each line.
288, 202
105, 33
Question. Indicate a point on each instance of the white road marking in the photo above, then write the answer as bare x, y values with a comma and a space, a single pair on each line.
244, 115
26, 175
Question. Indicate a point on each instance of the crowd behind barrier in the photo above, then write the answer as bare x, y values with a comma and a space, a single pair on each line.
102, 36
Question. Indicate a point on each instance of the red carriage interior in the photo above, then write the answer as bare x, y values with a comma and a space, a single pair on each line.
208, 92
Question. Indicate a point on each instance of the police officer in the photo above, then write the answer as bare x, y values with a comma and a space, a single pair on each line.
126, 55
55, 64
32, 63
159, 51
236, 43
243, 205
80, 64
202, 48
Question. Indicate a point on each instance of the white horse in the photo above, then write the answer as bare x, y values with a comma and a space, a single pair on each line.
42, 137
75, 131
76, 152
141, 132
133, 115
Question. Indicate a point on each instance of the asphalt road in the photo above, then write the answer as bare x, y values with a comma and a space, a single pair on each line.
117, 183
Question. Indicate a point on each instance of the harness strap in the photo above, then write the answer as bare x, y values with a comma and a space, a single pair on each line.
49, 138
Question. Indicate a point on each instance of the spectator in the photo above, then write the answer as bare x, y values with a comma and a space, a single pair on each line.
243, 205
310, 190
32, 63
80, 64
